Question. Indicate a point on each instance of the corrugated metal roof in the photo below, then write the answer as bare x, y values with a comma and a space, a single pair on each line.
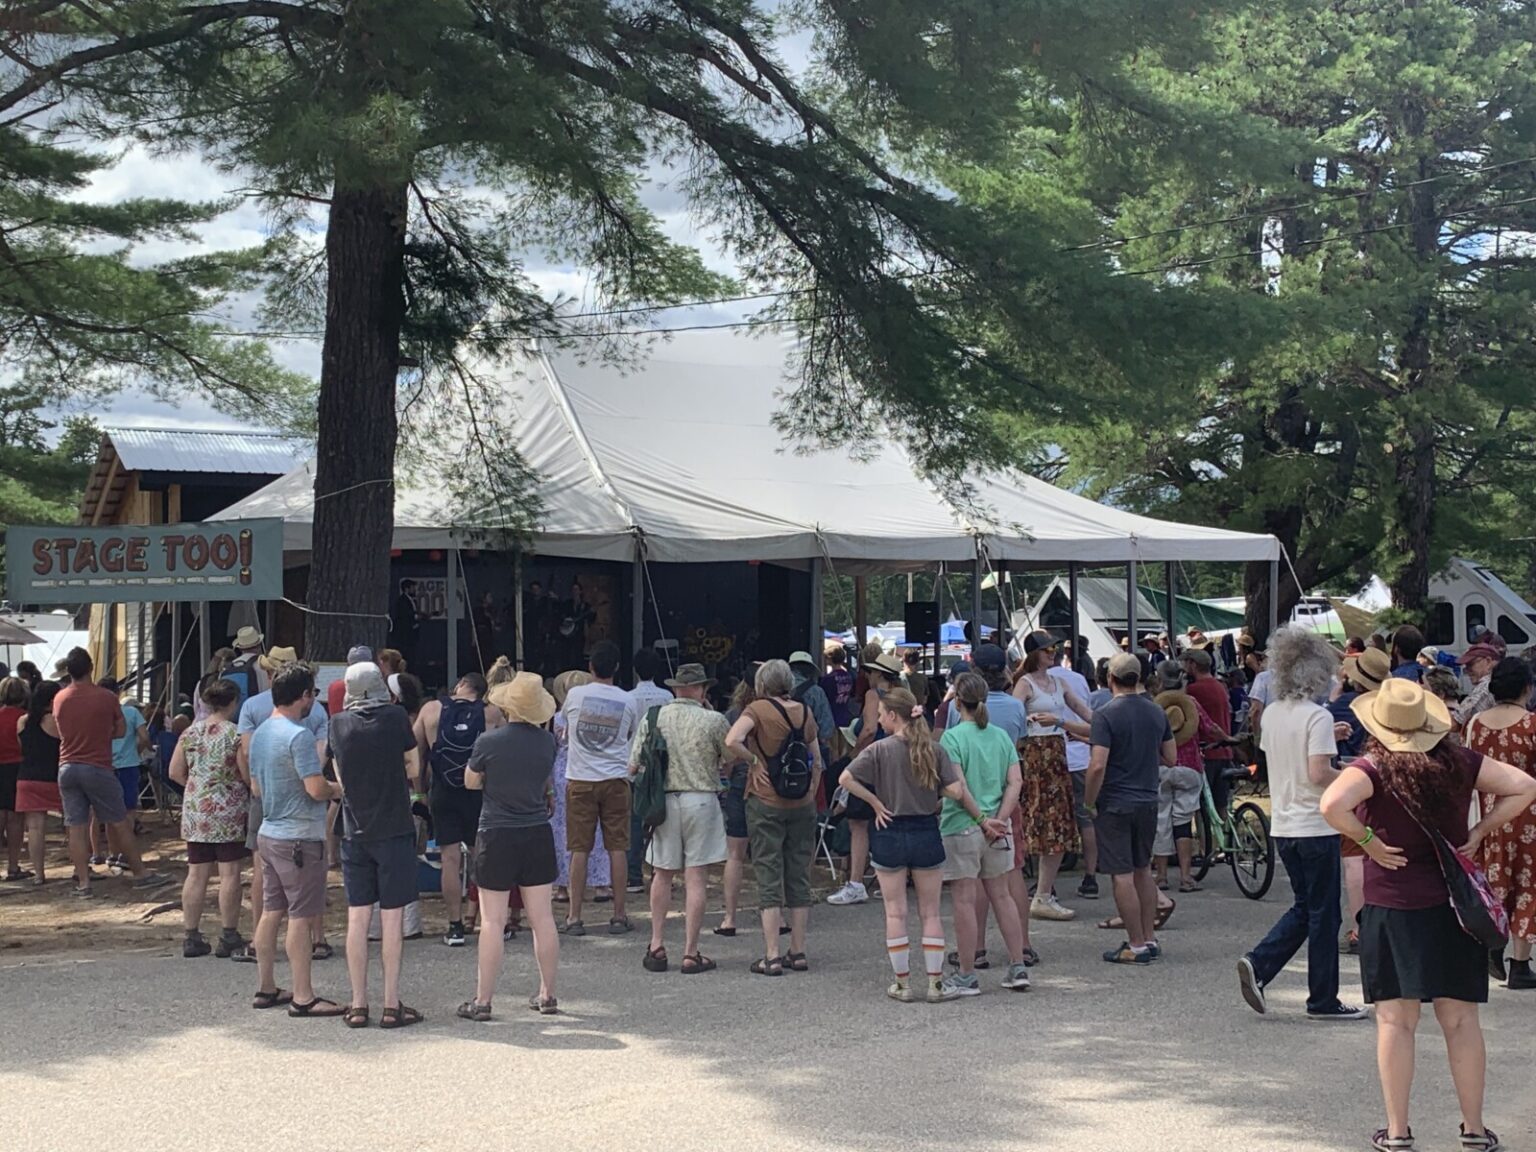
167, 450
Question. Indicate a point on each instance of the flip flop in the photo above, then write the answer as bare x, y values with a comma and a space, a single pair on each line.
1112, 923
277, 999
317, 1008
400, 1017
1163, 914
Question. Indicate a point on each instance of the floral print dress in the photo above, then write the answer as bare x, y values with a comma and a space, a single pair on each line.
213, 811
1508, 854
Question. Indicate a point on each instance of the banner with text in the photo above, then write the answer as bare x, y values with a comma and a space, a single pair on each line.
236, 560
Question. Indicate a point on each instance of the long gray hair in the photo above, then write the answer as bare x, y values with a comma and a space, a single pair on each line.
1301, 663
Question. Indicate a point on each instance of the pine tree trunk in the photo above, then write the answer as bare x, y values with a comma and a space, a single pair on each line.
1413, 520
349, 590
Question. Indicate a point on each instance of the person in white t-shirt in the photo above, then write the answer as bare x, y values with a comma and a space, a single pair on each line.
1078, 754
1298, 742
600, 721
648, 694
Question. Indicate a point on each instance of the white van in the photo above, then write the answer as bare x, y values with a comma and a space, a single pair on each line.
1466, 596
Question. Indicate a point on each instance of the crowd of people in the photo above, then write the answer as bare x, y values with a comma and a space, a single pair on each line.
547, 794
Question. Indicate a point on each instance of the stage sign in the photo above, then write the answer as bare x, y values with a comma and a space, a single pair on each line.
234, 560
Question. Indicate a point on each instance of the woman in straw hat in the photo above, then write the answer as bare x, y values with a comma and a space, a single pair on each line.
515, 845
1362, 672
1180, 787
1412, 947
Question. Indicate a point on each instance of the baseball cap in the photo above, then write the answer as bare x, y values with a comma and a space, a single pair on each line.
1123, 666
1480, 651
359, 654
990, 658
1199, 657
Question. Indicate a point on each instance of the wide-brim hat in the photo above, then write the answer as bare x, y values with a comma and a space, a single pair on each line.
523, 699
1402, 716
278, 657
802, 658
1183, 715
248, 637
889, 665
1369, 669
690, 676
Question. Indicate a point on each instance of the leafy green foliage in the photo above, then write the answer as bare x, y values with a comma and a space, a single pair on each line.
39, 483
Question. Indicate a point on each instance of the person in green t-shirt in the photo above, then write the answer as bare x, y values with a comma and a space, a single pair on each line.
975, 863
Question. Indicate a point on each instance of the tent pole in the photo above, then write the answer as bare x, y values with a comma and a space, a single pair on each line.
1169, 582
1130, 604
861, 612
818, 642
517, 608
451, 589
204, 640
173, 684
1002, 610
637, 599
1274, 597
976, 595
1072, 603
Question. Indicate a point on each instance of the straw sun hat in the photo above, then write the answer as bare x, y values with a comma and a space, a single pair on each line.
1183, 717
1403, 717
523, 699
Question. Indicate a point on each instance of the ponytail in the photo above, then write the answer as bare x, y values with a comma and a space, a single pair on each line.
920, 750
971, 695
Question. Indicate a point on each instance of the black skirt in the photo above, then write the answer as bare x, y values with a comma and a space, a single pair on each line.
1420, 954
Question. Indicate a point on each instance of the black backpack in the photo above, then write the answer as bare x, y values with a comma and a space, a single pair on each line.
459, 725
789, 769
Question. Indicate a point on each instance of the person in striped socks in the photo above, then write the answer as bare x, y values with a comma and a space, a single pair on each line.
901, 779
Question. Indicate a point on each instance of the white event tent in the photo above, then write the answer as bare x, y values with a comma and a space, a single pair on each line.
672, 456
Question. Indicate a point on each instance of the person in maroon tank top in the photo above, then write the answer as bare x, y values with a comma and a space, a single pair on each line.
13, 706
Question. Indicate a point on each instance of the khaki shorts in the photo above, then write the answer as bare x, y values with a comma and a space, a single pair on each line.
968, 856
589, 803
692, 835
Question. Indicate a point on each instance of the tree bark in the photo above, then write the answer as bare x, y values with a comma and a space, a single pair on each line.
1413, 521
355, 454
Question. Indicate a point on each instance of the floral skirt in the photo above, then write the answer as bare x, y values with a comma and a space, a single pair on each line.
1050, 822
1509, 858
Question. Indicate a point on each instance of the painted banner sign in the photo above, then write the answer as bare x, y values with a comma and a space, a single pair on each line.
235, 560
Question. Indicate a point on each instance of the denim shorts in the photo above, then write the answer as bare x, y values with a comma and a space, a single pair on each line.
733, 802
907, 842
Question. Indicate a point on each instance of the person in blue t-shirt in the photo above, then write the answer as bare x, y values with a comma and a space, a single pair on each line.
128, 752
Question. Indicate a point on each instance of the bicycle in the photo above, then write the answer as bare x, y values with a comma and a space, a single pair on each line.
1241, 834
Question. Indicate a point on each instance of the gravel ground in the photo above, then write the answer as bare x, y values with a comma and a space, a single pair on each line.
140, 1049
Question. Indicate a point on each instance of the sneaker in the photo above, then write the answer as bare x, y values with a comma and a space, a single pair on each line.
1248, 984
962, 985
194, 946
150, 880
981, 964
117, 863
635, 889
98, 860
1017, 979
83, 893
1381, 1142
508, 934
454, 937
1049, 908
900, 990
1338, 1012
228, 945
1488, 1141
1125, 954
850, 893
1089, 888
941, 990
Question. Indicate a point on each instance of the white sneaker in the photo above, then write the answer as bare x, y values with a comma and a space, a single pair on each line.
849, 893
1049, 908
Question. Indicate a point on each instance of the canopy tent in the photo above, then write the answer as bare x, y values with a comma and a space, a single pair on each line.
678, 451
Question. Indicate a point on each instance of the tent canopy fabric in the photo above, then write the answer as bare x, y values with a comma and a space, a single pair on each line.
677, 452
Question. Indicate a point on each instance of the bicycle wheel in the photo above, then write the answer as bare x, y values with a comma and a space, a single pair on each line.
1253, 852
1205, 847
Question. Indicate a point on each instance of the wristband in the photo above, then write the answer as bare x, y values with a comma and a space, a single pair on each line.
1370, 834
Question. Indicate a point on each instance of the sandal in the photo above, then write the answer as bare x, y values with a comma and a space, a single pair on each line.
768, 966
1190, 886
1381, 1142
656, 960
1487, 1142
797, 962
474, 1010
698, 962
275, 999
573, 928
317, 1008
321, 951
355, 1017
544, 1005
619, 925
400, 1017
1030, 957
1163, 914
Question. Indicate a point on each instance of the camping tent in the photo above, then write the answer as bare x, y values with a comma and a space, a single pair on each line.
678, 454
